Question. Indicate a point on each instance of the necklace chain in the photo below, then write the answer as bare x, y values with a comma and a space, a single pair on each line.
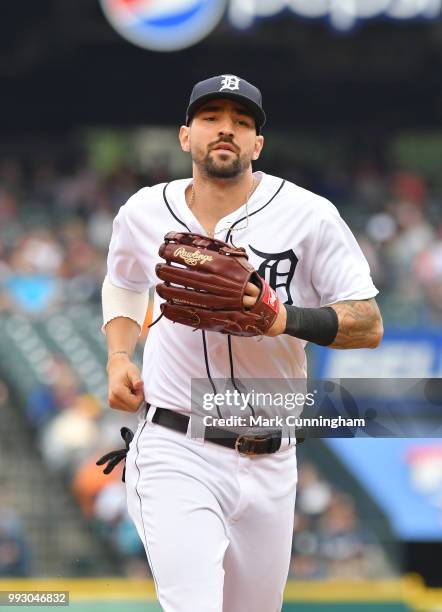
227, 228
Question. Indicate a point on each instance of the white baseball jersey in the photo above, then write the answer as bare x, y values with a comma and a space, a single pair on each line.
217, 526
295, 239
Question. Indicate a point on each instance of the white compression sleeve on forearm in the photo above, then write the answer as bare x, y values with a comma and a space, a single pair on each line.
118, 302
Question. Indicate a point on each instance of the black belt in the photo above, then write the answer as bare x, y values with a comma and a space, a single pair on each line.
244, 444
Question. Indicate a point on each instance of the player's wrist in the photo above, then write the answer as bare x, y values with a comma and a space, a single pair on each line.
119, 355
318, 325
280, 323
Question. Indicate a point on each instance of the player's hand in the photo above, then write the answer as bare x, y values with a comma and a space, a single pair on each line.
126, 388
278, 327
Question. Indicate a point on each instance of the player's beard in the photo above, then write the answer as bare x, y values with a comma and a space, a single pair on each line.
222, 170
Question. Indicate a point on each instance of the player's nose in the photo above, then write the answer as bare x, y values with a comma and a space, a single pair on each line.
227, 126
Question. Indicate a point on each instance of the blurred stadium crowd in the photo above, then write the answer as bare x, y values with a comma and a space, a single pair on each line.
330, 539
14, 550
55, 226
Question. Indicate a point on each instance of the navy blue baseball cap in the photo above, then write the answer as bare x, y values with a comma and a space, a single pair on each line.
228, 86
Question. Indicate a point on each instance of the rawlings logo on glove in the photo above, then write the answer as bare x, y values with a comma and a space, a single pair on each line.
204, 286
192, 258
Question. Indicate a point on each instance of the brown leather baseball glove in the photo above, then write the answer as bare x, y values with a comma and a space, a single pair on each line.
204, 286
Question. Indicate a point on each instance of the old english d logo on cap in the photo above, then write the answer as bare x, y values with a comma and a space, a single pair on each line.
229, 81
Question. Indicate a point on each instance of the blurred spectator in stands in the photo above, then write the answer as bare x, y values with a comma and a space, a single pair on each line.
312, 498
369, 185
35, 263
334, 183
121, 184
89, 481
55, 395
305, 563
433, 303
103, 498
428, 270
10, 227
11, 176
44, 185
313, 493
76, 189
14, 552
6, 303
341, 541
346, 549
8, 206
42, 405
115, 524
84, 266
328, 541
380, 231
68, 438
99, 228
128, 543
414, 232
111, 504
407, 186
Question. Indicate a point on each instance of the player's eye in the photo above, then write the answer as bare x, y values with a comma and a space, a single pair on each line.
210, 118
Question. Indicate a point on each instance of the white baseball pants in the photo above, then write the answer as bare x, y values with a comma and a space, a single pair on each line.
217, 527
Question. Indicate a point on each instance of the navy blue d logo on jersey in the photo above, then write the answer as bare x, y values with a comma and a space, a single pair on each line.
164, 25
278, 270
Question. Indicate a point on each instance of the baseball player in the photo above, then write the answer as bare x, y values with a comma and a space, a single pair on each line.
216, 514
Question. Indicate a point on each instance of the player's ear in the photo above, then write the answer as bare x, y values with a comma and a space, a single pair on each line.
259, 143
184, 138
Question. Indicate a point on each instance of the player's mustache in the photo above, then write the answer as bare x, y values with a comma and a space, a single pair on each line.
224, 141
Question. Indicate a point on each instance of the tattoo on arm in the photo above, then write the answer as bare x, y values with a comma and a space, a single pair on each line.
360, 324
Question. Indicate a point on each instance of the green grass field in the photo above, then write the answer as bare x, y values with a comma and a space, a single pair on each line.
140, 606
407, 594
